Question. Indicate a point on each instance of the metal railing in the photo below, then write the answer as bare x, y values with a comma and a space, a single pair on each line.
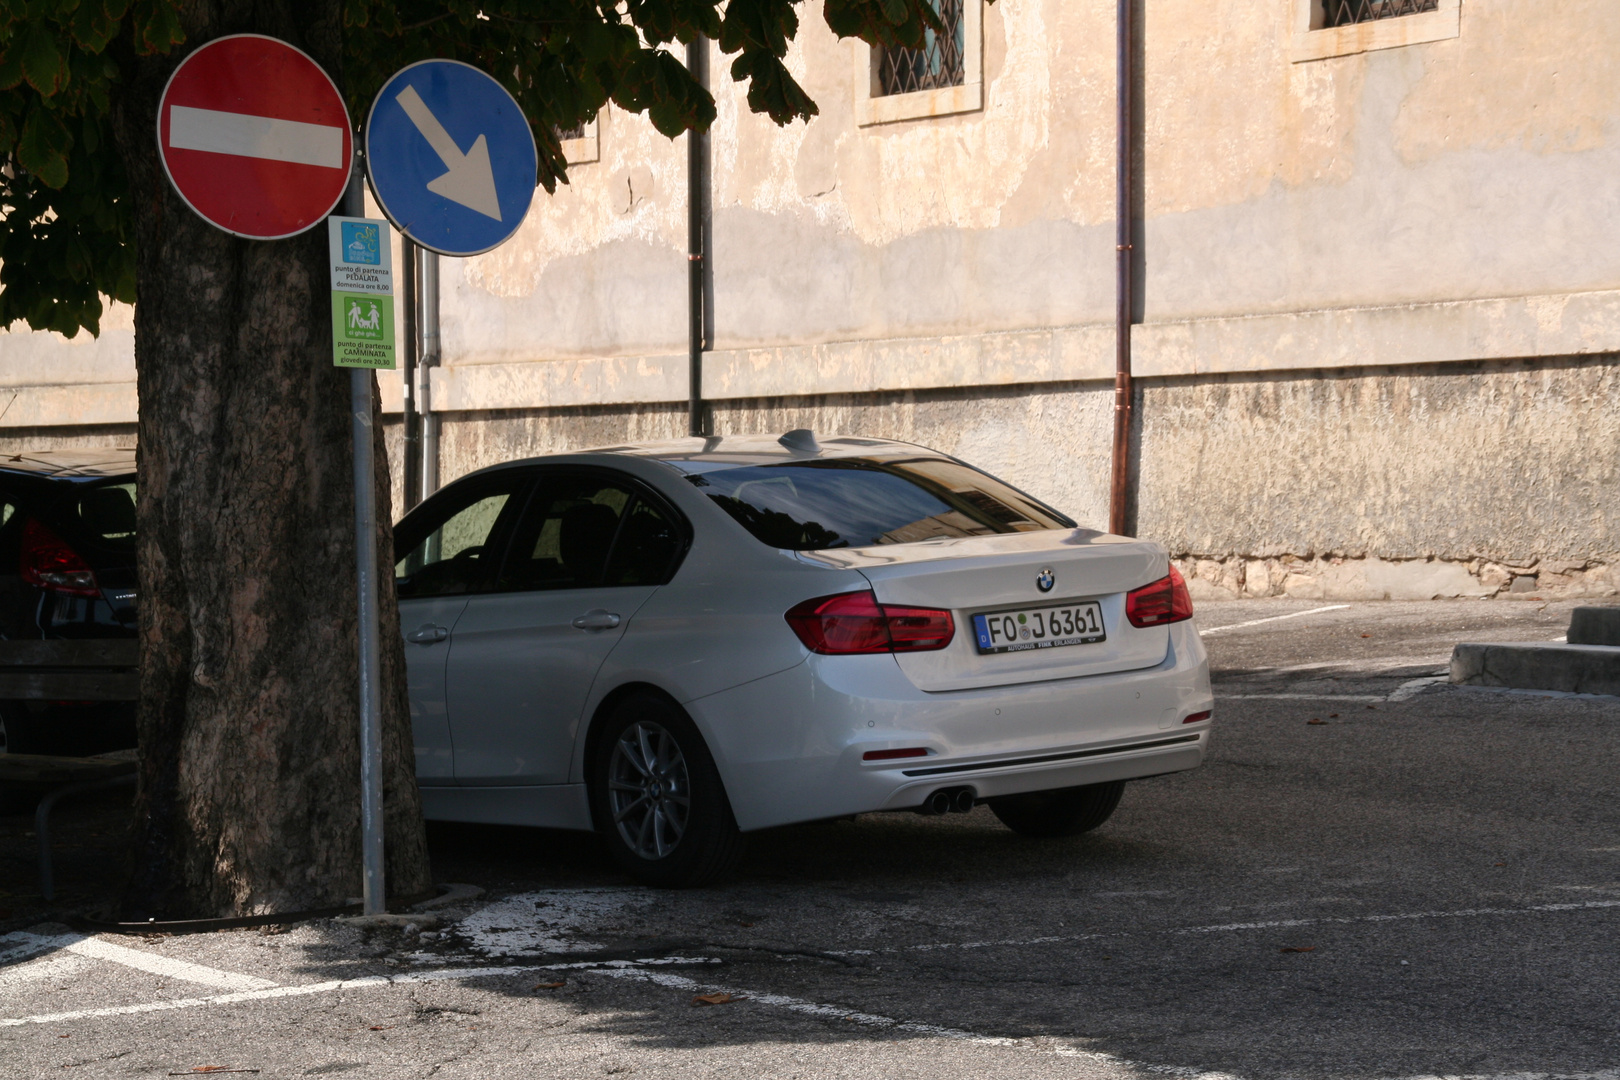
939, 62
1347, 12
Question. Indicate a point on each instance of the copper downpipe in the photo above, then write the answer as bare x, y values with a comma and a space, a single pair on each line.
1120, 486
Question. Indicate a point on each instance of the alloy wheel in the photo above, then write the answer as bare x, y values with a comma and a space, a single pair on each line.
649, 790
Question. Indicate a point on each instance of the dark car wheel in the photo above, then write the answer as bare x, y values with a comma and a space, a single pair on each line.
1065, 812
657, 799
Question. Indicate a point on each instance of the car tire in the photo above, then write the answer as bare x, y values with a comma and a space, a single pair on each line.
670, 827
1065, 812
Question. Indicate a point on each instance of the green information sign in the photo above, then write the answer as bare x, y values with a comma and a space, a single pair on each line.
362, 293
362, 330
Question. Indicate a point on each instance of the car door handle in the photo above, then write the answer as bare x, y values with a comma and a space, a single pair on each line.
596, 620
427, 634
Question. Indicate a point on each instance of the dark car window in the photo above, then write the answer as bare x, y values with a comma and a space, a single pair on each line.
563, 538
860, 502
454, 535
107, 512
587, 529
648, 546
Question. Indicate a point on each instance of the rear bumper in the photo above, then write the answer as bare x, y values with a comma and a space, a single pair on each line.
1093, 765
790, 746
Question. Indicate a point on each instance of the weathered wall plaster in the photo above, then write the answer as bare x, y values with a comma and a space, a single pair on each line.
1498, 462
1308, 222
1498, 465
1474, 167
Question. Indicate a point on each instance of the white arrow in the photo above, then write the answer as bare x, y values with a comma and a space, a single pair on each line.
470, 181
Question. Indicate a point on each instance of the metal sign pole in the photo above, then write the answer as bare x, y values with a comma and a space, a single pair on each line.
365, 543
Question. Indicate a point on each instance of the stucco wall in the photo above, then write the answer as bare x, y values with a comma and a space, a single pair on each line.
1345, 263
1052, 440
1476, 167
1502, 462
1482, 467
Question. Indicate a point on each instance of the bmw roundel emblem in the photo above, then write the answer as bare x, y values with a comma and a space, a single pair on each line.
1045, 579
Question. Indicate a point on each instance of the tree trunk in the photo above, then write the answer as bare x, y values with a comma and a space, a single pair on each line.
249, 797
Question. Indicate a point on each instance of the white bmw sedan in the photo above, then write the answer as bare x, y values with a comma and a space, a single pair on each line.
678, 643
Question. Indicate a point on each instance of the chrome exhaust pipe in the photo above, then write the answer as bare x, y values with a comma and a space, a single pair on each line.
949, 800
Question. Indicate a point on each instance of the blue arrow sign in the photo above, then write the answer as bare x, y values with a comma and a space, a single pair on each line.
450, 157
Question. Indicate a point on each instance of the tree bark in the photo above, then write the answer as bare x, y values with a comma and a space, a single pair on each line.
249, 796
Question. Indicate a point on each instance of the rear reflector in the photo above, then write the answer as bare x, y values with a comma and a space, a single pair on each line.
1197, 716
47, 562
889, 755
855, 622
1163, 601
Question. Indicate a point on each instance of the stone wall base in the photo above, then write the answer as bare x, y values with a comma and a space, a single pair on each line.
1333, 577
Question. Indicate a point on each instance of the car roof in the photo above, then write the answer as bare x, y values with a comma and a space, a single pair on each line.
716, 452
94, 463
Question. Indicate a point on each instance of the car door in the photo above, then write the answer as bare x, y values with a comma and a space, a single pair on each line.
589, 550
452, 546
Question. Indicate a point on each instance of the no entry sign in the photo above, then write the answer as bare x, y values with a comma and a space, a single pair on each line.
255, 137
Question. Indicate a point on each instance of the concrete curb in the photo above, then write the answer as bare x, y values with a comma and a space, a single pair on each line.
1538, 665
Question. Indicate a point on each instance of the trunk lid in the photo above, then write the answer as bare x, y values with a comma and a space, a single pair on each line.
984, 574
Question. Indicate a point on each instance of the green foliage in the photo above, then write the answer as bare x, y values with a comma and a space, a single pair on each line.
66, 235
65, 219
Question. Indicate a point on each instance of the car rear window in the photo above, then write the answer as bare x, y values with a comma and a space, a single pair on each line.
107, 512
862, 502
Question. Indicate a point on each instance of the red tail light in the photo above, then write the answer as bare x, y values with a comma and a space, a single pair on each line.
856, 623
1164, 601
890, 755
50, 564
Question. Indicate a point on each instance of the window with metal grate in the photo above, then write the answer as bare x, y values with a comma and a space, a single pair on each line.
1348, 12
938, 63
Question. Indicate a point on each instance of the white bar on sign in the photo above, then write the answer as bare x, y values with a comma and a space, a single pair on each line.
256, 137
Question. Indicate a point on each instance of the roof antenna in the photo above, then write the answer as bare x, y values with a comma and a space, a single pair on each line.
801, 439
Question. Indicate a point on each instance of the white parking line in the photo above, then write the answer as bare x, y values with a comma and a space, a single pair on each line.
1436, 664
21, 945
1413, 688
1404, 692
812, 1008
1463, 913
1273, 618
1270, 924
365, 983
1300, 697
645, 970
167, 967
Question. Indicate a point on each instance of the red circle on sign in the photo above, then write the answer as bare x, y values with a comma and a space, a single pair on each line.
255, 137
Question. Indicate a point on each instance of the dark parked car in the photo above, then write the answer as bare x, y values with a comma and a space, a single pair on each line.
67, 571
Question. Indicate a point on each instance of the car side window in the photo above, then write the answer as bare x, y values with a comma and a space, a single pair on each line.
647, 547
563, 539
455, 555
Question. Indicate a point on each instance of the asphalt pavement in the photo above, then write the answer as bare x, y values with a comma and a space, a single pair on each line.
1375, 874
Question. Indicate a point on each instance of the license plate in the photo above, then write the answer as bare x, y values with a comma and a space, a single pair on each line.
1039, 628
